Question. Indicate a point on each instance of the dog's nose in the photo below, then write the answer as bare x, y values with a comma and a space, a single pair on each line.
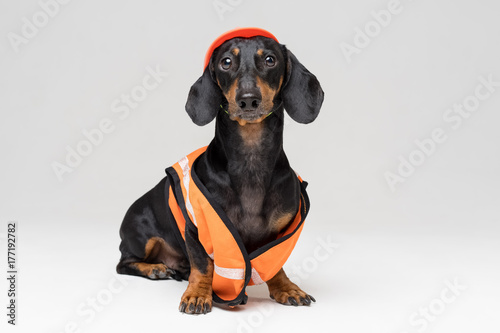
248, 101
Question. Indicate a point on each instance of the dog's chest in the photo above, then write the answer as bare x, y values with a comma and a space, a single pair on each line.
251, 214
260, 209
257, 190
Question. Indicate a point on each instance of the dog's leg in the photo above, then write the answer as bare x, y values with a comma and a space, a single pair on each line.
197, 298
285, 291
149, 247
151, 271
153, 264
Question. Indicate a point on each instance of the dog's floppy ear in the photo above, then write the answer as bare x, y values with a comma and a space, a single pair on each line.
204, 99
302, 94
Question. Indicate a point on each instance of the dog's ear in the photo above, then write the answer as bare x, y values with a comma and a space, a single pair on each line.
302, 94
204, 99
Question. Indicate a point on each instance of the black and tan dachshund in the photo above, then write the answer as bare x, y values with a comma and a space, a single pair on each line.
247, 86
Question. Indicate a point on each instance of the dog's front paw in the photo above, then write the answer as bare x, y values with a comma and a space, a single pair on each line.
196, 301
291, 295
284, 291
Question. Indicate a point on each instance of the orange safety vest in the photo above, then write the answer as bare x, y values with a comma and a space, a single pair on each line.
192, 206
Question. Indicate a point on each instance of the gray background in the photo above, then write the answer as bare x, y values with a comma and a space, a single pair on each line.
393, 250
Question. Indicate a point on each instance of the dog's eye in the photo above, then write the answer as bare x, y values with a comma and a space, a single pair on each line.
270, 61
225, 63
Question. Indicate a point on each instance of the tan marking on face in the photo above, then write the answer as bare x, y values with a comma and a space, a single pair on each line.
281, 82
230, 95
260, 52
235, 51
244, 122
267, 93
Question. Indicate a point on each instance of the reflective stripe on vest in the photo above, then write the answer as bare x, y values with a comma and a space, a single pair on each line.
234, 268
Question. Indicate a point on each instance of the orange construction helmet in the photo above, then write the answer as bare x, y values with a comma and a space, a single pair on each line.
238, 32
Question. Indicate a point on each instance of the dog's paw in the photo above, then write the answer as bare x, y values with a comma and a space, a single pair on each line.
159, 271
290, 294
196, 301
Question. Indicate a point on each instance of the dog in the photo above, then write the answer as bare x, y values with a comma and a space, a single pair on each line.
229, 214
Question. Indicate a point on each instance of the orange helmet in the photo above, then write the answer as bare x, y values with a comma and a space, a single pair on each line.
238, 32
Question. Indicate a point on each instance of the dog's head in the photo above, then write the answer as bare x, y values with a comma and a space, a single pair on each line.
251, 77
